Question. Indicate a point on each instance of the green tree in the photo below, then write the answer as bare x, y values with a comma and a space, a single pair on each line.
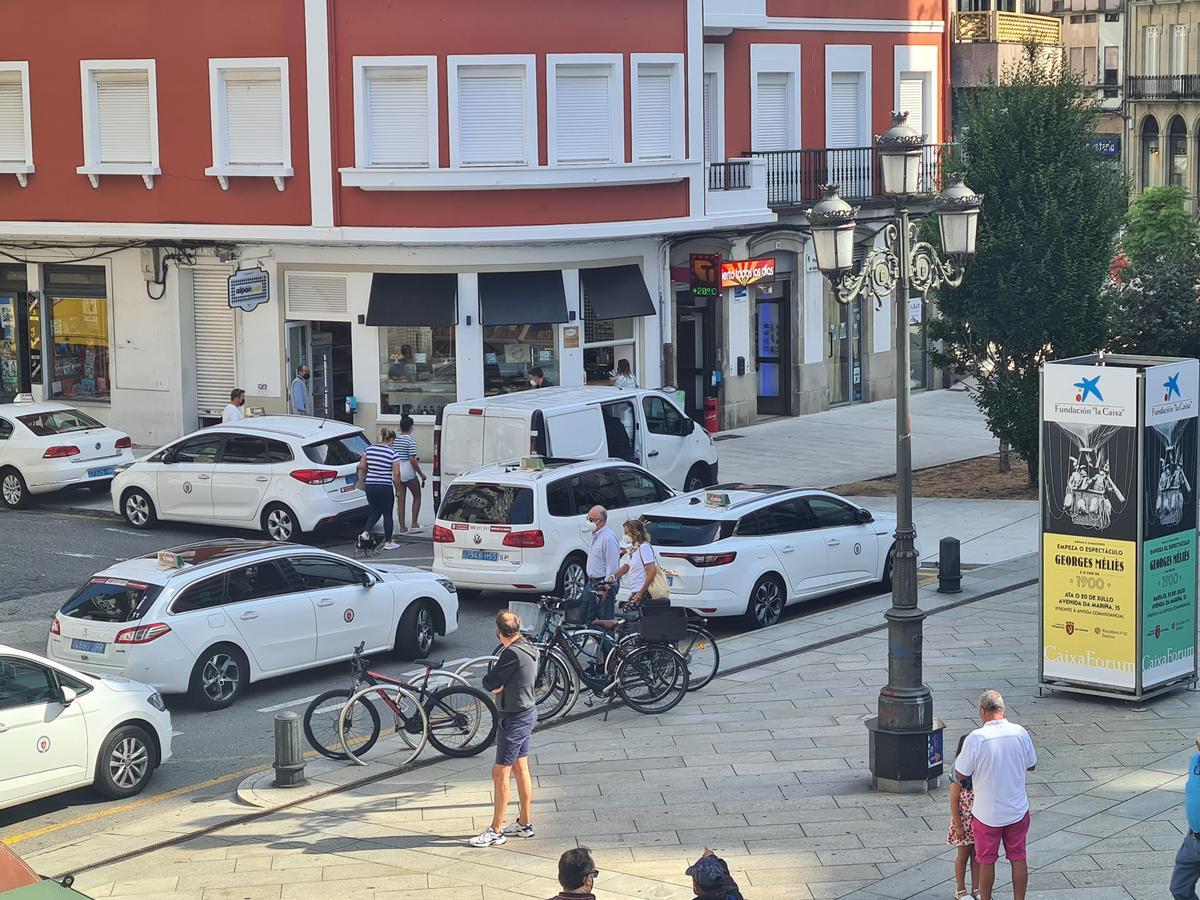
1156, 308
1051, 210
1158, 227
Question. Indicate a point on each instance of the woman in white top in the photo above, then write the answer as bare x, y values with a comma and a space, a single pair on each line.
640, 565
624, 379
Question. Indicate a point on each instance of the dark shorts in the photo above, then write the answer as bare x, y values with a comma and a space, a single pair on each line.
512, 736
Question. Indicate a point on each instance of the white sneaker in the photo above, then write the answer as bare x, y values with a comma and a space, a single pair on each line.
516, 829
391, 545
489, 838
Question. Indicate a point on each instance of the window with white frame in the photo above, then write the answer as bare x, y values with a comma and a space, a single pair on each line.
773, 118
16, 144
657, 108
493, 111
396, 112
251, 128
586, 110
120, 119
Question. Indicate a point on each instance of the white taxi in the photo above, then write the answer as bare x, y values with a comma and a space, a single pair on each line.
62, 729
46, 447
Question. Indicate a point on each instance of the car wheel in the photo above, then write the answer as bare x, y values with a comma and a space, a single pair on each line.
280, 524
886, 581
138, 509
698, 477
126, 762
101, 487
219, 677
417, 630
572, 576
13, 490
766, 602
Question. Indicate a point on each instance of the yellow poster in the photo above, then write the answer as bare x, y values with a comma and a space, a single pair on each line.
1089, 610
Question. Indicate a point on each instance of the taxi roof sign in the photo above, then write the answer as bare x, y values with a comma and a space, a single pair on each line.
718, 499
168, 559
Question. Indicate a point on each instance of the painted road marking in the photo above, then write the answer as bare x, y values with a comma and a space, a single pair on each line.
125, 531
81, 555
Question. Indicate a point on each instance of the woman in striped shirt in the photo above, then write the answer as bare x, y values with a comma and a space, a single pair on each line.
412, 479
381, 469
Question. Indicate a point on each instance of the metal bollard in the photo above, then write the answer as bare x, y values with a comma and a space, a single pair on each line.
289, 753
949, 567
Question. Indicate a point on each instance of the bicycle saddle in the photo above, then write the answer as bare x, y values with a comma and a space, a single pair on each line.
430, 663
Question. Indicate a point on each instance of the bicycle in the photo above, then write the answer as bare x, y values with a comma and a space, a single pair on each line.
698, 647
458, 720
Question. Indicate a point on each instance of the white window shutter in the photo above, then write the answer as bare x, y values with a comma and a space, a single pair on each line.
583, 114
710, 96
123, 117
844, 110
397, 114
655, 113
492, 116
912, 101
254, 117
1151, 37
12, 119
771, 131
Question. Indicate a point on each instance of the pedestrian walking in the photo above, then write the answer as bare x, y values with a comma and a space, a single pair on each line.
412, 479
512, 678
711, 879
961, 835
233, 409
604, 556
379, 470
1187, 860
997, 756
640, 565
624, 379
577, 874
298, 397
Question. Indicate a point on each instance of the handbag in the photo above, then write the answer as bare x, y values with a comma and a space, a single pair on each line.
660, 586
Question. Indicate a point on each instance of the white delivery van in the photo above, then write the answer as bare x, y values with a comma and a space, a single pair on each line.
642, 426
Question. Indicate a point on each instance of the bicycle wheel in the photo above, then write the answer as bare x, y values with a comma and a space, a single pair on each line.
321, 724
396, 698
462, 720
699, 650
556, 685
652, 679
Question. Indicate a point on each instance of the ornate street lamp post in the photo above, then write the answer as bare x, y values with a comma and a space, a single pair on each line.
905, 742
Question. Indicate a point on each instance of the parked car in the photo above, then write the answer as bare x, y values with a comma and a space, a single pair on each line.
751, 549
639, 426
62, 729
19, 882
206, 619
502, 527
46, 447
284, 475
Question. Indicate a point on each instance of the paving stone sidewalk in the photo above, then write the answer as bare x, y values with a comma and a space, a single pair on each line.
766, 765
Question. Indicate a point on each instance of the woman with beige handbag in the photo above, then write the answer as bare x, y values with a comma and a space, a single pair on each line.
647, 579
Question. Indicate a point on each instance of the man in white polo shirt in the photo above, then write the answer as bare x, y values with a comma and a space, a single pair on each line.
996, 757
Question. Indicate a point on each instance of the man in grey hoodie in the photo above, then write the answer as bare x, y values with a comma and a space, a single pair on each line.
512, 678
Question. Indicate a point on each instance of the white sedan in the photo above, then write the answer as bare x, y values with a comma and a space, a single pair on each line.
207, 619
61, 729
50, 446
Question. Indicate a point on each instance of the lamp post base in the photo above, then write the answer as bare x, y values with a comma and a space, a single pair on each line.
906, 762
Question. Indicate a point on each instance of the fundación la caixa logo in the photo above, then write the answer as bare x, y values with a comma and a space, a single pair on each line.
1089, 387
1173, 400
1088, 401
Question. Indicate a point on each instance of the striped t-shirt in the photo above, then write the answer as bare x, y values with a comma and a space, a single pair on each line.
406, 447
379, 463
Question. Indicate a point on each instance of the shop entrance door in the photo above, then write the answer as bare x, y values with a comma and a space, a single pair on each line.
695, 345
771, 356
325, 348
299, 353
14, 364
844, 350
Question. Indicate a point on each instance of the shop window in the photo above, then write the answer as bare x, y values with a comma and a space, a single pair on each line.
79, 337
1177, 150
510, 351
605, 341
14, 333
418, 373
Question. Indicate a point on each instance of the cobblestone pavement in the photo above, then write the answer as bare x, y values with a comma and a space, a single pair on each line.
767, 765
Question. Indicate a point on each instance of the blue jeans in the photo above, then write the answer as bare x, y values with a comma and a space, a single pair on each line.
382, 500
1187, 869
598, 604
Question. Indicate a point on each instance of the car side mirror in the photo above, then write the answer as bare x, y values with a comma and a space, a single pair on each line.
865, 517
368, 580
689, 425
68, 695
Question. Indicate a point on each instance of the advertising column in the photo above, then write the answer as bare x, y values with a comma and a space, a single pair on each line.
1168, 613
1089, 525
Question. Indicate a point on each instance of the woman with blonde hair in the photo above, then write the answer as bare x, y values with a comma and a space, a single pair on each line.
641, 564
379, 473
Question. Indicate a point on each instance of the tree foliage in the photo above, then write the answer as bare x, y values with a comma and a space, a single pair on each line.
1158, 227
1051, 209
1156, 308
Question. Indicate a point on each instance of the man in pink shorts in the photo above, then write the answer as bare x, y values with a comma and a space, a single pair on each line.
996, 757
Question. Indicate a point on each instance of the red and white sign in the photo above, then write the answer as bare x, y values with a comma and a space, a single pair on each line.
742, 273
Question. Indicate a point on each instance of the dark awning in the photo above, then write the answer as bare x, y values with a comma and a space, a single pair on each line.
616, 292
413, 299
521, 298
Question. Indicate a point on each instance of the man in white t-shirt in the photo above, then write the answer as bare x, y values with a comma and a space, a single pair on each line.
997, 757
233, 409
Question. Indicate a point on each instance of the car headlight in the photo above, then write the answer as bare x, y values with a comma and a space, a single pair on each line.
156, 701
448, 585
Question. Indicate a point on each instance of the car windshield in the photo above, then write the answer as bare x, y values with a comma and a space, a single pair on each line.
58, 421
111, 600
488, 504
669, 532
338, 451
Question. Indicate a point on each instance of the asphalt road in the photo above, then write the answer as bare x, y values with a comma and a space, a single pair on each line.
46, 554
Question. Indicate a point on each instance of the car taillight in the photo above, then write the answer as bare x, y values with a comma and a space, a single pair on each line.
525, 539
55, 627
442, 535
124, 443
315, 476
60, 452
704, 560
142, 634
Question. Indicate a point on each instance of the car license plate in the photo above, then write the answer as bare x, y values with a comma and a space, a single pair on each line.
87, 646
105, 472
488, 555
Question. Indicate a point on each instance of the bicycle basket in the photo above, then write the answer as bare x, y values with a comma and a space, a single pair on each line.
532, 615
662, 623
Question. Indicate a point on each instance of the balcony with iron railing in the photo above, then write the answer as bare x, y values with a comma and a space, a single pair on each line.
1162, 87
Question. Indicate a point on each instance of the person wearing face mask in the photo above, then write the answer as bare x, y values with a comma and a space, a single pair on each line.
537, 378
299, 398
604, 555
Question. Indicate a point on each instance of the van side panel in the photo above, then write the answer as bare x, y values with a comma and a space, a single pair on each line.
577, 434
462, 444
505, 436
